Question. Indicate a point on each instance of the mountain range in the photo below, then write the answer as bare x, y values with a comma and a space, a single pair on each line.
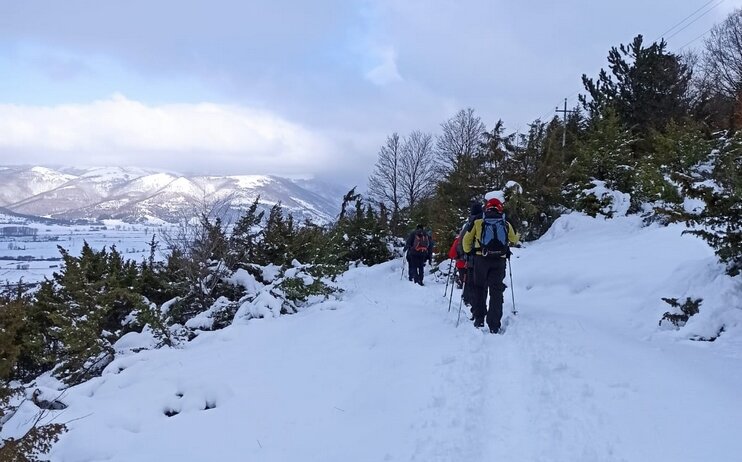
134, 194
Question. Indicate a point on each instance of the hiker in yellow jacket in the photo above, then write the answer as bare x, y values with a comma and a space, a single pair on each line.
488, 241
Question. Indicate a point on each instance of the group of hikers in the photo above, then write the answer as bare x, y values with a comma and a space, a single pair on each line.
480, 250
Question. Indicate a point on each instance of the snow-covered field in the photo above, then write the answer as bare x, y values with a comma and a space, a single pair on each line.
132, 240
583, 373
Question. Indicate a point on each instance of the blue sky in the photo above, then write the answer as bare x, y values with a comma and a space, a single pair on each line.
294, 87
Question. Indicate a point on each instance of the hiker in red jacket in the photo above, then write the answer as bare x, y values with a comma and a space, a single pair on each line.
453, 254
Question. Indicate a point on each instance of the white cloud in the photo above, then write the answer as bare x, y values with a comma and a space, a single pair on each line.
387, 71
121, 131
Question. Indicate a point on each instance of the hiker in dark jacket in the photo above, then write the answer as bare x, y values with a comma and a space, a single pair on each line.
488, 241
418, 248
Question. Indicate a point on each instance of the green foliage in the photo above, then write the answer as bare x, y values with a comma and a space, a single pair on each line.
33, 445
604, 153
591, 204
298, 291
12, 324
687, 309
245, 237
36, 442
358, 235
89, 301
529, 220
720, 222
278, 237
648, 87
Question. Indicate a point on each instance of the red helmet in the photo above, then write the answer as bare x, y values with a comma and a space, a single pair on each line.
494, 203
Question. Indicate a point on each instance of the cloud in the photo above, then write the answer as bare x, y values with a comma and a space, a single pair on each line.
336, 75
219, 138
387, 71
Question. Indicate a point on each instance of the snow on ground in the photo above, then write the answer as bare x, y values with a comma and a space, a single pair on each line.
583, 373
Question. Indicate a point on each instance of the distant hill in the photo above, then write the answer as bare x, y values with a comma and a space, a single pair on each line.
136, 195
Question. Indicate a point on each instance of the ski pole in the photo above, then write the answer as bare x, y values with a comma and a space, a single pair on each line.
458, 318
510, 268
450, 298
448, 276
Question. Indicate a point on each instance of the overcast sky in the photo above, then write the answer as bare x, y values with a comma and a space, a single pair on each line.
295, 87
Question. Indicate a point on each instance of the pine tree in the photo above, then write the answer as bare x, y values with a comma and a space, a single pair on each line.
647, 89
358, 235
605, 154
246, 234
721, 220
274, 248
86, 304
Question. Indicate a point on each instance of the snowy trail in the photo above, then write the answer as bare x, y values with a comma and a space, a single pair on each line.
384, 375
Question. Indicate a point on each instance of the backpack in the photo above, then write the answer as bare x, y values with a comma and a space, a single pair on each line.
421, 244
494, 235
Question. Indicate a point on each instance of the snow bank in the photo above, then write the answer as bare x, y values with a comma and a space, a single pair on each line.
583, 372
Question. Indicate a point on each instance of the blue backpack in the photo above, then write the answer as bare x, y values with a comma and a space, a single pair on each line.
494, 235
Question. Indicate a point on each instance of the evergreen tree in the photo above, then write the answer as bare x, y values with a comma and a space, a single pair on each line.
648, 86
246, 234
358, 235
88, 302
604, 153
721, 220
277, 238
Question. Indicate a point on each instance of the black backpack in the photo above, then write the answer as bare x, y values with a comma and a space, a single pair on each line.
421, 244
494, 240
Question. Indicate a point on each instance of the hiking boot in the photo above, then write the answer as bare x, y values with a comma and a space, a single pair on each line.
494, 331
479, 323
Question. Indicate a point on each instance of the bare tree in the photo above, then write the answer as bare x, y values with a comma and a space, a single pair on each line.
722, 58
384, 183
418, 169
461, 137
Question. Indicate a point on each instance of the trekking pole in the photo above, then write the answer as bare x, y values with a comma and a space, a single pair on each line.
403, 266
450, 298
458, 318
510, 268
448, 277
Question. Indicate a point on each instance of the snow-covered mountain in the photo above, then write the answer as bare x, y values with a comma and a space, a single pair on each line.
135, 194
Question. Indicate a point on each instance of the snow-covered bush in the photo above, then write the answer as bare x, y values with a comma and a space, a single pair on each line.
601, 200
287, 291
681, 311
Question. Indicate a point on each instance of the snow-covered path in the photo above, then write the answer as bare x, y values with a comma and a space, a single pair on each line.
582, 374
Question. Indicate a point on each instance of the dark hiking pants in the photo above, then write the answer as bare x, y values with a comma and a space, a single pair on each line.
468, 285
489, 273
417, 263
